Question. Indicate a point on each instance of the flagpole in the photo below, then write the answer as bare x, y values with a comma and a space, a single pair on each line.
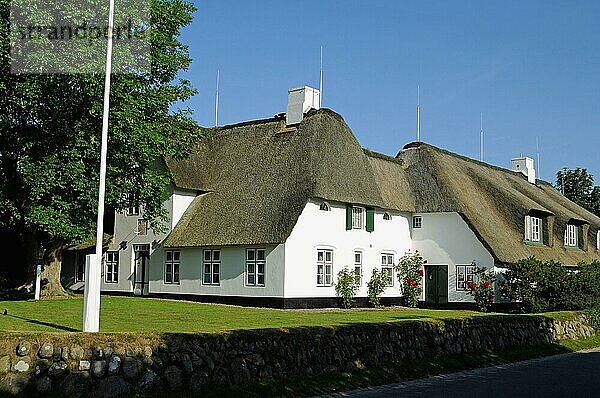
91, 302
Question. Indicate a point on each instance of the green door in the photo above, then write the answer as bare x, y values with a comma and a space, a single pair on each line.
436, 284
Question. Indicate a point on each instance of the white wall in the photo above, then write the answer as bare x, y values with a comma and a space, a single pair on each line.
445, 239
327, 229
125, 230
232, 275
180, 202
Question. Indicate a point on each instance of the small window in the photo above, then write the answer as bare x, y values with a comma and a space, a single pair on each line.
255, 267
387, 267
212, 267
358, 260
142, 227
133, 209
387, 216
598, 240
357, 217
533, 229
417, 222
324, 267
112, 267
571, 235
324, 206
465, 275
172, 266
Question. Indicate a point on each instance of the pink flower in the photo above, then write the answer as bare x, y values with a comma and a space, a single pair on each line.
474, 286
486, 284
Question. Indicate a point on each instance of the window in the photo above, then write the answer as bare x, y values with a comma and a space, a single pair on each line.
417, 222
324, 267
571, 235
112, 267
134, 208
598, 240
80, 272
387, 267
357, 217
212, 267
533, 229
324, 206
172, 266
464, 273
358, 267
142, 227
387, 216
255, 267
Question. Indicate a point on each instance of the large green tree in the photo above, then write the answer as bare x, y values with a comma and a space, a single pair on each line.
578, 185
50, 141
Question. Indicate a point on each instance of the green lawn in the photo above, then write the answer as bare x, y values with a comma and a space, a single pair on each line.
127, 314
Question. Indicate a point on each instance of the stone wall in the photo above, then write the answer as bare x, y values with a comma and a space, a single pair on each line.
76, 364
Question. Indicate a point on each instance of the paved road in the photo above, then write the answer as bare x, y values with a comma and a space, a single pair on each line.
569, 375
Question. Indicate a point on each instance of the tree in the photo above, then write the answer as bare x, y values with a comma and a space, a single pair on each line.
578, 186
50, 142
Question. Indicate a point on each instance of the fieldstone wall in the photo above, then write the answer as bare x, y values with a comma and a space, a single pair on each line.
114, 365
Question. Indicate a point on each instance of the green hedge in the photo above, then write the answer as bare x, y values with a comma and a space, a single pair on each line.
540, 286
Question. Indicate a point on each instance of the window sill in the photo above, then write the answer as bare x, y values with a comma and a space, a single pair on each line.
573, 248
534, 243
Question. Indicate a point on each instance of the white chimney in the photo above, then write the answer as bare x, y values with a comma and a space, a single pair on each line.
300, 101
525, 166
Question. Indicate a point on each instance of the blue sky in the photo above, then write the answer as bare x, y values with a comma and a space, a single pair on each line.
531, 67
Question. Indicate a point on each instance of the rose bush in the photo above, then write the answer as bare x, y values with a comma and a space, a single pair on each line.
410, 275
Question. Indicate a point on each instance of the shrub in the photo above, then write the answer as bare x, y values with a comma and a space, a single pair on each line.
410, 274
376, 286
346, 287
595, 318
483, 289
548, 286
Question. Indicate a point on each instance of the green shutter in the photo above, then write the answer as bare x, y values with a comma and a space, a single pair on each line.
370, 220
348, 217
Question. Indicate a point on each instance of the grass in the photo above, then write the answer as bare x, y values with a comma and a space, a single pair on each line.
142, 315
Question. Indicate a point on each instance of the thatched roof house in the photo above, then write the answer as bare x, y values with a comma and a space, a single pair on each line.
256, 178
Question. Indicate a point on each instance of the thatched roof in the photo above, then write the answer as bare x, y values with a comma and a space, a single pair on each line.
492, 200
256, 178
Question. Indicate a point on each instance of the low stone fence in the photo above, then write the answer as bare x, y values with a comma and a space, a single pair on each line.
109, 365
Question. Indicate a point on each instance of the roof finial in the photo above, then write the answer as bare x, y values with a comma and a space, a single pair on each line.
481, 136
217, 99
418, 113
321, 81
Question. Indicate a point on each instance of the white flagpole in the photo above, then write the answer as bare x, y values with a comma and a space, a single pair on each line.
91, 301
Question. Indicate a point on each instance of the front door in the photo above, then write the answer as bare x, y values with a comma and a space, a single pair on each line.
436, 285
141, 258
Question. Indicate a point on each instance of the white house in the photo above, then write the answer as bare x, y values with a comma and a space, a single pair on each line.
267, 213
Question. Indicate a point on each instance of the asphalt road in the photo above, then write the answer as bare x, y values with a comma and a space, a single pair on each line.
569, 375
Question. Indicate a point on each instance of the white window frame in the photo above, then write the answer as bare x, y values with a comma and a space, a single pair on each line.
211, 267
533, 229
598, 240
324, 206
111, 274
324, 267
417, 222
387, 266
358, 217
358, 267
255, 259
571, 235
172, 267
387, 216
464, 273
